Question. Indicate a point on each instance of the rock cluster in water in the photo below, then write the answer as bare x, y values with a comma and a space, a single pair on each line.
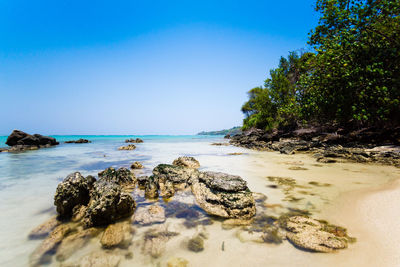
79, 141
131, 140
21, 141
328, 145
128, 147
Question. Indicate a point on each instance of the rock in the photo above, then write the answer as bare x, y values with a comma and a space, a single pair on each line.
220, 144
42, 253
196, 244
231, 223
137, 165
156, 240
313, 235
150, 214
128, 147
224, 195
167, 189
142, 180
131, 140
177, 262
20, 141
74, 190
188, 162
79, 141
121, 176
250, 236
175, 174
108, 204
78, 212
99, 258
117, 235
259, 197
75, 242
44, 229
326, 160
151, 189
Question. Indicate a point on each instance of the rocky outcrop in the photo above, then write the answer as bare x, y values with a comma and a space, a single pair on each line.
149, 215
121, 176
128, 147
188, 162
79, 141
44, 229
137, 165
224, 195
21, 141
73, 191
108, 204
131, 140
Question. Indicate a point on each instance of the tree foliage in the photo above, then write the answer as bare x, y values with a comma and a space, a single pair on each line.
353, 76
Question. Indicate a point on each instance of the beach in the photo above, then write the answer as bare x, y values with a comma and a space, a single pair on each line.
358, 197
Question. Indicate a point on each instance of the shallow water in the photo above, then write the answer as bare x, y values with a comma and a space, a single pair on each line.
28, 181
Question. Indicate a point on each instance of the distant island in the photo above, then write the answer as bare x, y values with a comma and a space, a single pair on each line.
231, 131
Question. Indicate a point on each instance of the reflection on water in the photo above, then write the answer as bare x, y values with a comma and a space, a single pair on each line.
292, 183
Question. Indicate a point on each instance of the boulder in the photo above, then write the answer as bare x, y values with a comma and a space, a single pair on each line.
21, 138
137, 165
224, 195
128, 147
188, 162
108, 204
131, 140
74, 190
150, 214
175, 174
151, 188
117, 235
142, 180
121, 176
167, 189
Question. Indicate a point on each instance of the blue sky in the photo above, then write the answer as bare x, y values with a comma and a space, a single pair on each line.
139, 67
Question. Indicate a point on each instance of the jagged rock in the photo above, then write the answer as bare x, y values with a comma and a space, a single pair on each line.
142, 180
196, 244
156, 240
128, 147
224, 195
74, 190
137, 165
108, 204
117, 235
42, 253
150, 214
167, 189
175, 174
75, 242
78, 212
79, 141
188, 162
313, 235
151, 189
131, 140
177, 262
18, 137
121, 176
44, 229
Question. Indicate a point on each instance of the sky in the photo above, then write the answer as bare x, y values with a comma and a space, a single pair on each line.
139, 67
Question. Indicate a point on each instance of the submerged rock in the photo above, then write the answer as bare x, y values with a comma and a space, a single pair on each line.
188, 162
150, 214
75, 242
151, 189
117, 235
177, 262
128, 147
42, 253
224, 195
121, 176
156, 241
196, 244
108, 204
137, 165
97, 258
44, 229
73, 191
313, 235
